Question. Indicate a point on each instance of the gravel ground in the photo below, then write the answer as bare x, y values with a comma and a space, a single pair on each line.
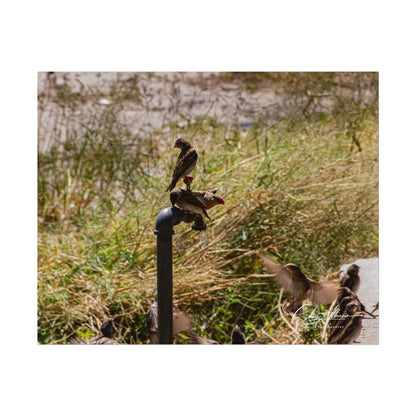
368, 294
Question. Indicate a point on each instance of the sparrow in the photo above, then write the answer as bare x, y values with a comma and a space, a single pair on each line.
351, 279
353, 330
346, 295
349, 327
181, 322
188, 202
209, 198
237, 337
292, 280
104, 338
194, 338
343, 321
186, 161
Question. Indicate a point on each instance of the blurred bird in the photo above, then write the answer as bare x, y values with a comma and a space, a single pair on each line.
351, 279
104, 338
181, 322
353, 329
345, 296
349, 325
292, 280
197, 339
237, 337
188, 202
185, 164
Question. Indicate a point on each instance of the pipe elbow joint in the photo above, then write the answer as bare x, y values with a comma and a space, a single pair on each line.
167, 219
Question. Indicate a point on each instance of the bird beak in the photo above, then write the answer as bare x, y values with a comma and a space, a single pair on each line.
221, 201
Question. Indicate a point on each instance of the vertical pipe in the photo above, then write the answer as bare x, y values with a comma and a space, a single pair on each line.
165, 221
164, 289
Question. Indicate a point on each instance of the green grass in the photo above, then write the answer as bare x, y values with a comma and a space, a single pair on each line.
299, 186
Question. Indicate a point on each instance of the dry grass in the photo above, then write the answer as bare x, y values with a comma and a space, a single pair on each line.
299, 186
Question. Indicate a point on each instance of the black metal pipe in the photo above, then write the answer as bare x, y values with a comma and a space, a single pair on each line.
165, 221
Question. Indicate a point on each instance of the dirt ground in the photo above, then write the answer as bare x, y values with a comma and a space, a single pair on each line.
159, 99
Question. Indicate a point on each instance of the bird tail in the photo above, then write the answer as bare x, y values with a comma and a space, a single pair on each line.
206, 213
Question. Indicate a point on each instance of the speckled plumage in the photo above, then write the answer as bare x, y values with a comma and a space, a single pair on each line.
186, 162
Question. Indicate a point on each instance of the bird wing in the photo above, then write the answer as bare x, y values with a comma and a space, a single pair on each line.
282, 276
189, 198
185, 163
322, 293
343, 291
344, 278
196, 339
337, 331
181, 322
352, 330
203, 193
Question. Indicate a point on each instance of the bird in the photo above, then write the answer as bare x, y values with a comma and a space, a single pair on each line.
186, 162
292, 280
353, 330
346, 295
181, 322
188, 202
351, 279
194, 338
237, 337
339, 322
209, 198
104, 338
349, 325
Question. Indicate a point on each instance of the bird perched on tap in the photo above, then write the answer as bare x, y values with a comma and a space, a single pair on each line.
195, 202
185, 163
188, 202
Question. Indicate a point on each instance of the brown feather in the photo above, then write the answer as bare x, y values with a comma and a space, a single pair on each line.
181, 322
292, 280
283, 276
351, 279
185, 163
322, 293
187, 201
353, 330
196, 339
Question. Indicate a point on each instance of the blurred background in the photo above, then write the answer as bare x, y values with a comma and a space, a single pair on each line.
294, 155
